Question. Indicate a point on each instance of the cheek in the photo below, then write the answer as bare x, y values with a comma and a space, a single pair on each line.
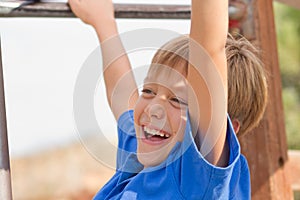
181, 130
139, 109
178, 119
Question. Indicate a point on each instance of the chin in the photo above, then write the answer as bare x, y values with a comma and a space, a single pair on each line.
151, 159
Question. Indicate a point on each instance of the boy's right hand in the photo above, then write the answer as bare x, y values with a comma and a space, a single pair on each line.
93, 12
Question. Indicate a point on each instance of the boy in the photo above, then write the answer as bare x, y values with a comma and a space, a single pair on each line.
172, 152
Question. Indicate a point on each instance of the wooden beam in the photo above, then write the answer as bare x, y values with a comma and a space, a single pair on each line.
293, 167
266, 147
292, 3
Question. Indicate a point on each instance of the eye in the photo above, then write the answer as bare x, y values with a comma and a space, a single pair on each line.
147, 92
177, 102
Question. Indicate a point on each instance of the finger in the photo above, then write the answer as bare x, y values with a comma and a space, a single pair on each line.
73, 5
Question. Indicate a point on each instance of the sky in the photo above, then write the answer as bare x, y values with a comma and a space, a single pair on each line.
41, 60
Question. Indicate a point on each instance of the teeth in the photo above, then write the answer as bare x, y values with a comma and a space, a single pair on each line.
155, 132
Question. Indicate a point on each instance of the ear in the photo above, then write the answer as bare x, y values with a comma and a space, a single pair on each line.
236, 125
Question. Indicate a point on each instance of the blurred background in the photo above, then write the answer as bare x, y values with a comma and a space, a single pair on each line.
287, 22
41, 60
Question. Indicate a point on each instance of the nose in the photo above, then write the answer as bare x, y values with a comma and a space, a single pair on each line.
156, 110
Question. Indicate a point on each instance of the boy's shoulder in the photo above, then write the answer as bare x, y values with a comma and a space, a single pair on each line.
230, 182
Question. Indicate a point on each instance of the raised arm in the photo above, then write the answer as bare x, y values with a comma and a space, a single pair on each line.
120, 85
207, 76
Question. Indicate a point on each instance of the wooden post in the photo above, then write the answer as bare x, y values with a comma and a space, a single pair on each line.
266, 147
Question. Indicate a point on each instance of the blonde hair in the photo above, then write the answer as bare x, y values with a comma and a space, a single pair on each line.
174, 53
247, 84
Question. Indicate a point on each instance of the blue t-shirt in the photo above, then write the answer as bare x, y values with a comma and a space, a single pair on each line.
185, 174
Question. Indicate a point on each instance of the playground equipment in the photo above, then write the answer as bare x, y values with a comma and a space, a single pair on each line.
265, 148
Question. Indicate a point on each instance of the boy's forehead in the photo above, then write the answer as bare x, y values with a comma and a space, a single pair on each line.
166, 76
163, 71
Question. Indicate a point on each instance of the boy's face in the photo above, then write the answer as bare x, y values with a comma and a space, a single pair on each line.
160, 114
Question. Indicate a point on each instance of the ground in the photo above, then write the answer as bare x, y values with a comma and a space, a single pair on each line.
71, 173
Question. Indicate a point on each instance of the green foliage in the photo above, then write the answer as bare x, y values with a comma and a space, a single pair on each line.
292, 117
296, 195
287, 22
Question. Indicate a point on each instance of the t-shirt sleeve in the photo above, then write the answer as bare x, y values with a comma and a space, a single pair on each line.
216, 182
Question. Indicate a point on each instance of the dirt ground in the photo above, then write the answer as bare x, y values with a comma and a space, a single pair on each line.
71, 173
66, 173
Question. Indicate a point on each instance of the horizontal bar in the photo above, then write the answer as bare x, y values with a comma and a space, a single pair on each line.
121, 11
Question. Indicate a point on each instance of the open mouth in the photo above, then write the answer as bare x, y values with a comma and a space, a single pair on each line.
155, 135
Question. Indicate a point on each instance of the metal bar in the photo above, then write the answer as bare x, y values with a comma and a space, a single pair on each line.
5, 182
121, 11
240, 12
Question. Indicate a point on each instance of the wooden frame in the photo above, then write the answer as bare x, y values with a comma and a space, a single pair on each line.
266, 147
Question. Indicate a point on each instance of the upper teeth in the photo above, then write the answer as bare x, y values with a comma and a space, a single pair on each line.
155, 132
